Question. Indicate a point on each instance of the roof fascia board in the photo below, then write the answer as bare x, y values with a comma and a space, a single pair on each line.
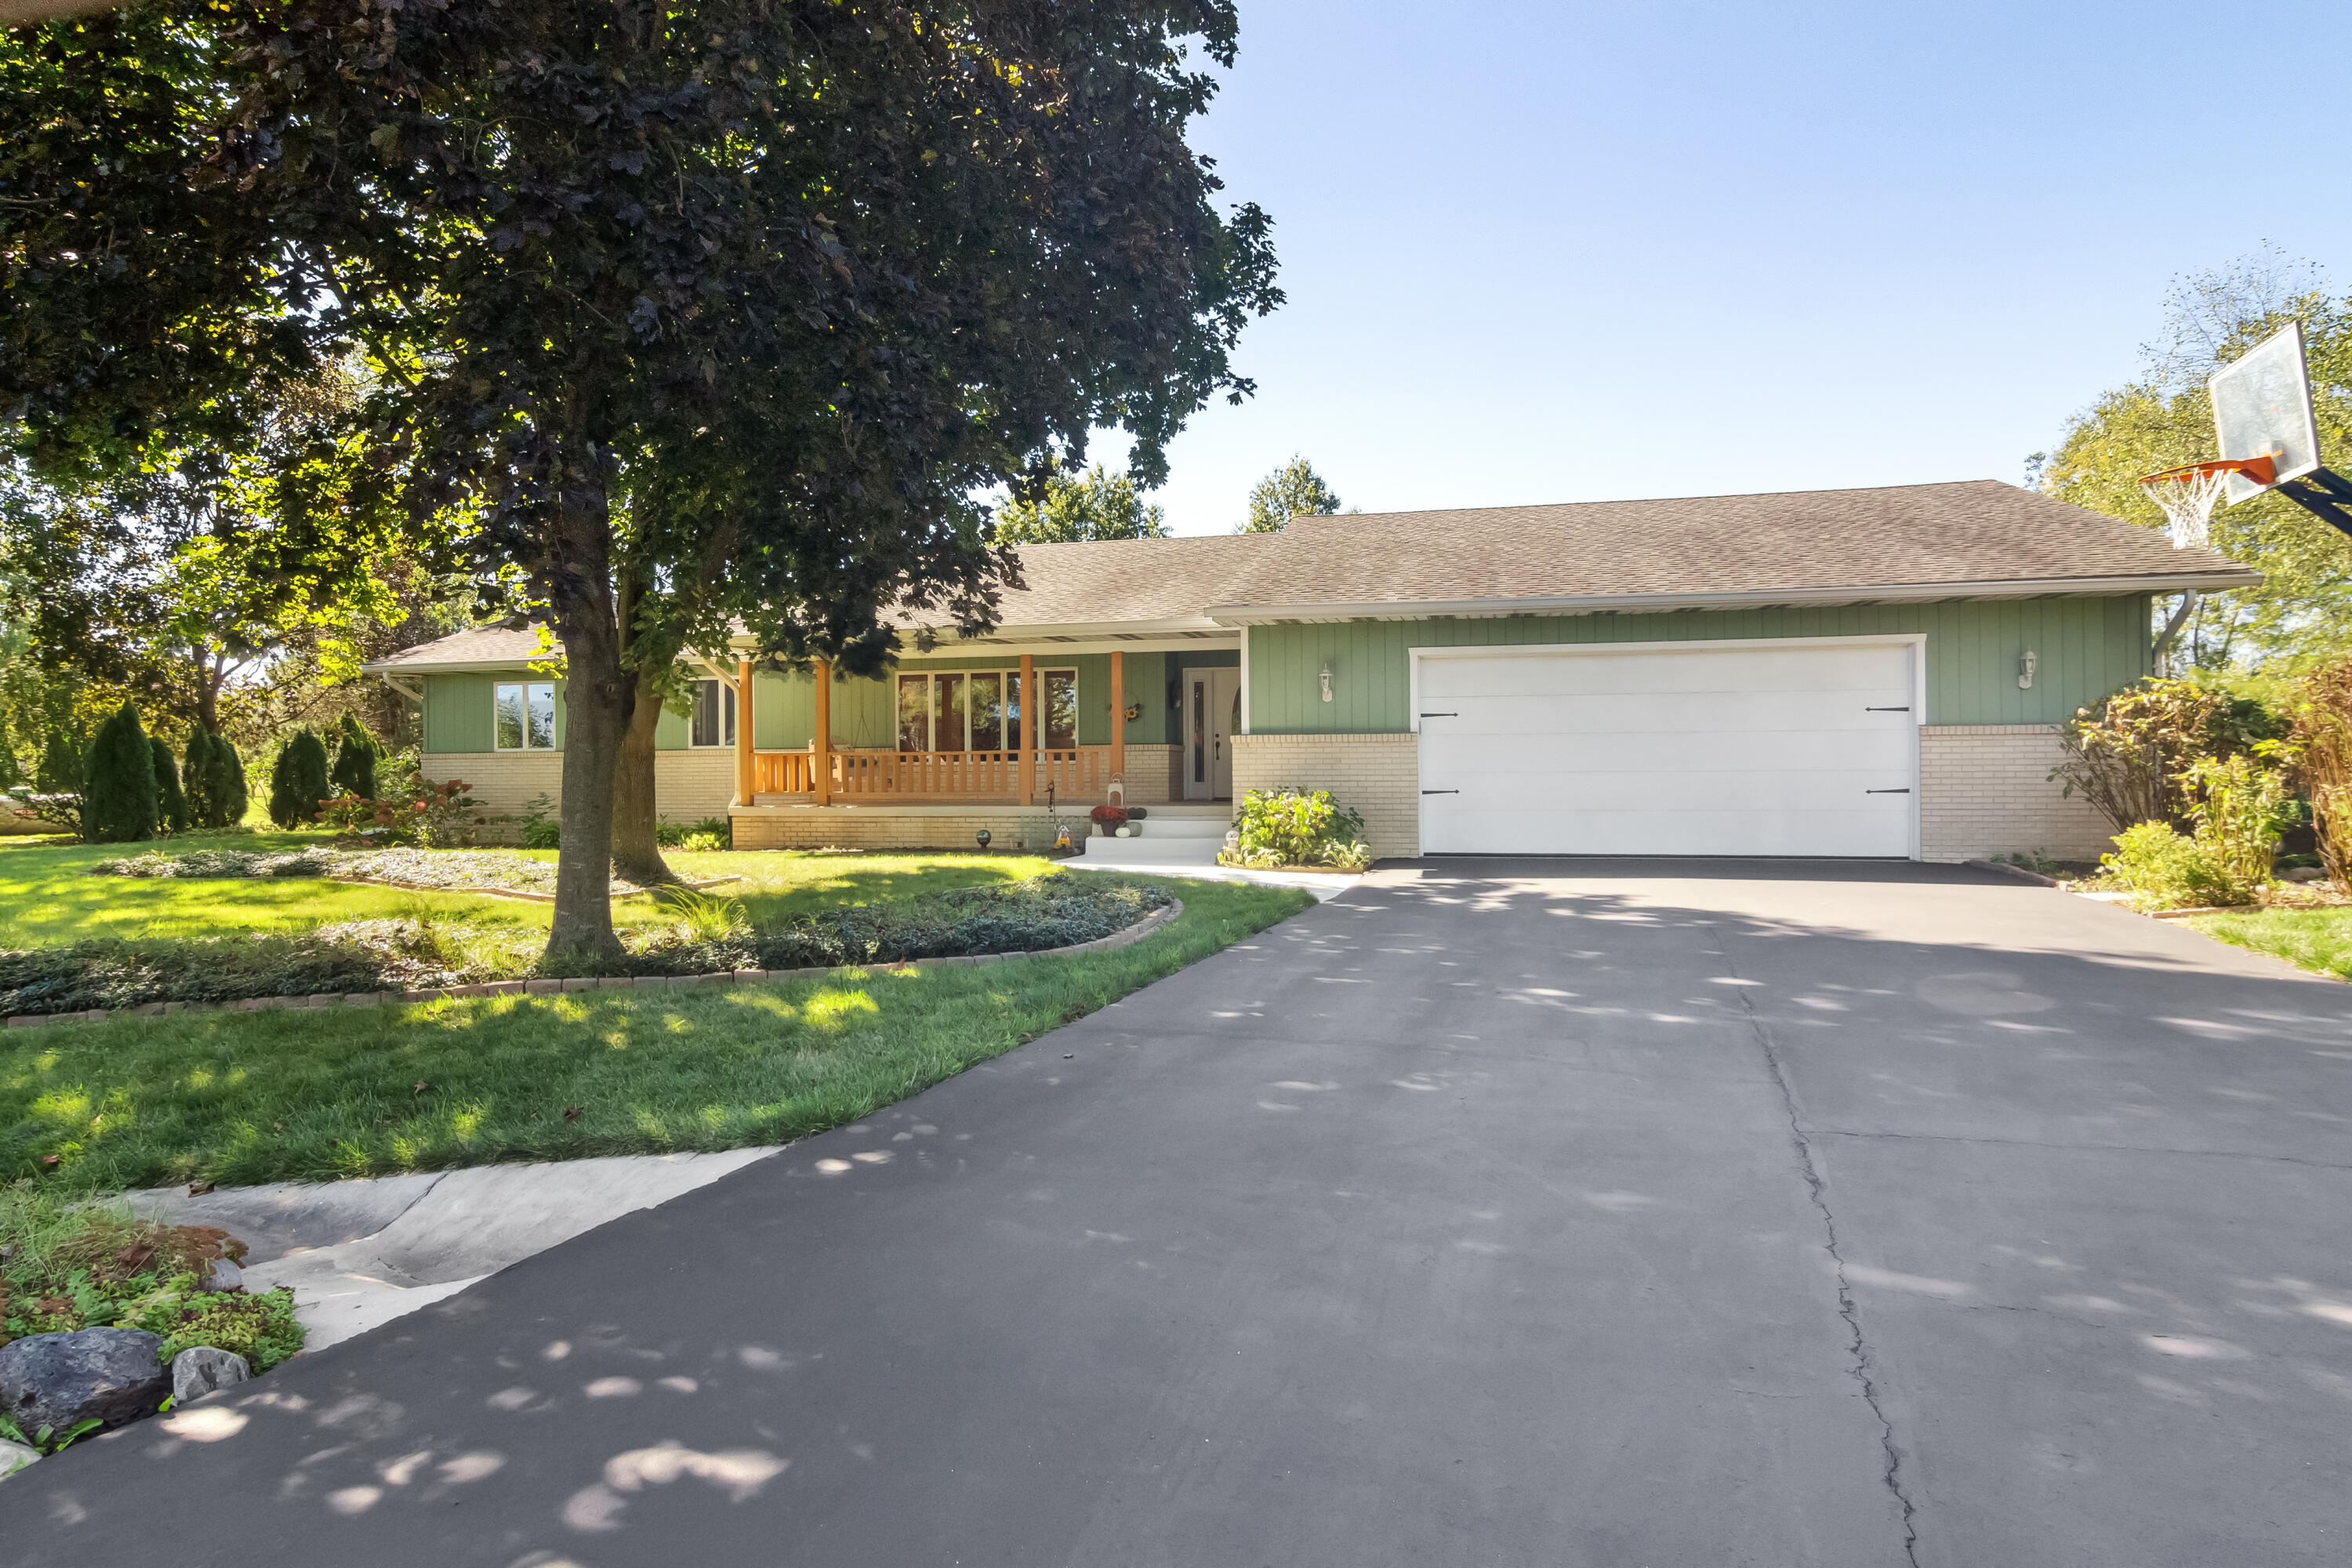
462, 667
1592, 603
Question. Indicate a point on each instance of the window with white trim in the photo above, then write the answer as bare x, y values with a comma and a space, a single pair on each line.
979, 710
524, 716
714, 715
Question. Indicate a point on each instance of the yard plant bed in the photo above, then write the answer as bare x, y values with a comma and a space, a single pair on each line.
250, 1098
440, 870
710, 936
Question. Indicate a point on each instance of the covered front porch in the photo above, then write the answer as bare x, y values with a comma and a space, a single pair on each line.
1009, 736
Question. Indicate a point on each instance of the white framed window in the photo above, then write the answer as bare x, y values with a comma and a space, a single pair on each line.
979, 710
524, 716
714, 715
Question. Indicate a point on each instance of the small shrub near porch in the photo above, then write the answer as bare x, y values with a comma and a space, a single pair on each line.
1295, 827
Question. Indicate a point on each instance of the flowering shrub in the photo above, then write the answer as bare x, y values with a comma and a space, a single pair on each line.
1109, 818
441, 815
1280, 828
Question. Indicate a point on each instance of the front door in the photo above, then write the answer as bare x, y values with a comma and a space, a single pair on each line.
1213, 716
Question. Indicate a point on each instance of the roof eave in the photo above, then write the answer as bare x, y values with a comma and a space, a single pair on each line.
1598, 604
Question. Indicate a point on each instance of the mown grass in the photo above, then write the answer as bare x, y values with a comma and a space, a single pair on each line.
2316, 940
48, 896
246, 1098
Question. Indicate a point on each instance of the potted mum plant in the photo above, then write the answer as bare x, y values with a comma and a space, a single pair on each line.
1111, 820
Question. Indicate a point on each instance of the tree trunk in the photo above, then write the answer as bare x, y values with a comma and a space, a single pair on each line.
637, 844
595, 710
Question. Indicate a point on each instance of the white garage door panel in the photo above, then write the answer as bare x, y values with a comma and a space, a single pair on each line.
1783, 750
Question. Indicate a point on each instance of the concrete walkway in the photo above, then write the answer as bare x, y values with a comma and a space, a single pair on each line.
1598, 1214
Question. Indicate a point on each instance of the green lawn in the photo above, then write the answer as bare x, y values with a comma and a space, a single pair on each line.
246, 1098
47, 896
2316, 940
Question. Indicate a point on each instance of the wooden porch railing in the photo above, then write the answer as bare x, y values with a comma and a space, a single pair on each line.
1076, 772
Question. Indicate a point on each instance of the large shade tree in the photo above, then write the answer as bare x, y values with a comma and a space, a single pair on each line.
2303, 606
713, 313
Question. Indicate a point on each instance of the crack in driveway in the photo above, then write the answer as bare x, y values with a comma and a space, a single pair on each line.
1857, 1346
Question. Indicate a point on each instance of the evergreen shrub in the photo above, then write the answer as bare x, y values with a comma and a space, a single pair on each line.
356, 755
171, 799
298, 781
119, 802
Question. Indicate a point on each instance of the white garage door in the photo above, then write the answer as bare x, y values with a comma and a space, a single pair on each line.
1773, 750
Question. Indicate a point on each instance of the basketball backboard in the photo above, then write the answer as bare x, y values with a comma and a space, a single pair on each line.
2262, 407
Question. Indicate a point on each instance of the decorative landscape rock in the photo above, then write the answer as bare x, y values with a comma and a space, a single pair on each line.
222, 1276
58, 1381
204, 1370
15, 1456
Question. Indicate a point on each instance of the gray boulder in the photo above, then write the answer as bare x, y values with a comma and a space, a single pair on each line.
58, 1381
15, 1456
201, 1370
222, 1276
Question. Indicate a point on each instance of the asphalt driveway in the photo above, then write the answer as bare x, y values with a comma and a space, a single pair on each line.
1596, 1212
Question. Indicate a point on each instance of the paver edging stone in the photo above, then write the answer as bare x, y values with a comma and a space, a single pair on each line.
1117, 939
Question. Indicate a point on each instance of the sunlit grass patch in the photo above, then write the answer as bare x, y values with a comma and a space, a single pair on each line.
2316, 940
249, 1098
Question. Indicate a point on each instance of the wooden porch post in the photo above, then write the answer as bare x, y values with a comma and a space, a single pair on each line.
747, 778
1119, 722
821, 741
1028, 730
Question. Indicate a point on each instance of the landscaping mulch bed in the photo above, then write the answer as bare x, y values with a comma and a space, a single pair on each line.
370, 959
428, 870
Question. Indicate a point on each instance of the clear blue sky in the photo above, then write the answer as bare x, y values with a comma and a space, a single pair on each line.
1567, 252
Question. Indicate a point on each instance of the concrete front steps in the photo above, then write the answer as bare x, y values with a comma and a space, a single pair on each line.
1171, 835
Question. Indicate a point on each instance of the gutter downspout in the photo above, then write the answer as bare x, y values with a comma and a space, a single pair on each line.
2189, 599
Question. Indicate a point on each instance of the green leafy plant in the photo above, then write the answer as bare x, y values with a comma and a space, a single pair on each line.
710, 834
2163, 866
542, 827
2322, 707
119, 802
2242, 808
2127, 756
1281, 828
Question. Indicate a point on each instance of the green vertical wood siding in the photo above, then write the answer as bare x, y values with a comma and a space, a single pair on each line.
2087, 648
458, 711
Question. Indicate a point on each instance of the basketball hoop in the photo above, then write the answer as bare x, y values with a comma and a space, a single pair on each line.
2188, 493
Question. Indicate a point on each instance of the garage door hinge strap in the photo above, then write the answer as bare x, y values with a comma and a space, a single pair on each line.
1886, 792
1441, 715
1904, 710
1441, 792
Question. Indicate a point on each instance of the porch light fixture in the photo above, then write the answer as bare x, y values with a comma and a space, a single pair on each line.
1327, 683
2025, 667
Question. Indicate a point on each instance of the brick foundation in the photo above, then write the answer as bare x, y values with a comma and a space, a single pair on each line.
902, 828
1379, 775
1984, 789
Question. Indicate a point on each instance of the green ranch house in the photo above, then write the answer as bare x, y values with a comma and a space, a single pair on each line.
1866, 672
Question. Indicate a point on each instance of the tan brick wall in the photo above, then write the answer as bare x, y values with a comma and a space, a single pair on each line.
688, 785
1984, 789
1151, 775
879, 827
1379, 775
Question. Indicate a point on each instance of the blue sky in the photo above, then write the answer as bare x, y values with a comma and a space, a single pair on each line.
1572, 252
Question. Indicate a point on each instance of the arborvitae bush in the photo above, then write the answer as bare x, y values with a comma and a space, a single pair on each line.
298, 781
231, 797
196, 778
356, 755
60, 770
120, 799
170, 800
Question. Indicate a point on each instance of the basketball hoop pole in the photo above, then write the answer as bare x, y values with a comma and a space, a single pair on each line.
2324, 494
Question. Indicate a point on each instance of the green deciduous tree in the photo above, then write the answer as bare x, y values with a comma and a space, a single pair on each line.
298, 780
1292, 489
2304, 605
1097, 504
119, 798
713, 313
64, 764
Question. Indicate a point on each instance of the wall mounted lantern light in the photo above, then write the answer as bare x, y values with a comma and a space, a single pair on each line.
1327, 683
2025, 667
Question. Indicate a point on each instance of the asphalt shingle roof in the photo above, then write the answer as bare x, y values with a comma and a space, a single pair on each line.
1972, 535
